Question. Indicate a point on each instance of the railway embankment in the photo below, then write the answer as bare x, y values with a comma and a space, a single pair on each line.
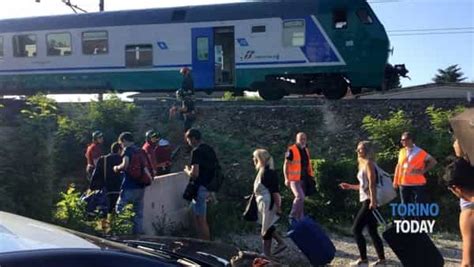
236, 128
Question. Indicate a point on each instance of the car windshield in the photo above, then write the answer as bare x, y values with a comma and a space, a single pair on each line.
20, 233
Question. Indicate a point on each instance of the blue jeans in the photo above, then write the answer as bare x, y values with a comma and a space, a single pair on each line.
199, 204
134, 197
413, 194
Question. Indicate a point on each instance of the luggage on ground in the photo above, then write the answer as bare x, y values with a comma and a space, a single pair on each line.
413, 250
312, 241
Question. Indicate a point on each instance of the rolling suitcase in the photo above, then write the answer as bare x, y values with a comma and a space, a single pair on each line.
413, 250
312, 241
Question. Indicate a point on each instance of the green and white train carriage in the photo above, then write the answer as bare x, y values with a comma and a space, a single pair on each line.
275, 47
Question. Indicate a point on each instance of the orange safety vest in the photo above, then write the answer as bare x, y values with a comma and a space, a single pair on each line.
294, 166
403, 175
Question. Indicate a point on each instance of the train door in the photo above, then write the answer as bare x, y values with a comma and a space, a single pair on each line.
224, 51
213, 57
203, 57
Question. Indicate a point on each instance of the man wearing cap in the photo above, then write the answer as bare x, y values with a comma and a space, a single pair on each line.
149, 146
93, 152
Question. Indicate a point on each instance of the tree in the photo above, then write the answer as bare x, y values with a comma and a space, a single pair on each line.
451, 74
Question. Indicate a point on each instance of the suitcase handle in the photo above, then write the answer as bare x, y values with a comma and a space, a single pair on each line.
379, 217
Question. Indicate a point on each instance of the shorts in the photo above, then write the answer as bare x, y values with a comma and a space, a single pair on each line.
199, 204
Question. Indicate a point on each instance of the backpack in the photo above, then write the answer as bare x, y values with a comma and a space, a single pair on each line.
138, 163
385, 192
218, 178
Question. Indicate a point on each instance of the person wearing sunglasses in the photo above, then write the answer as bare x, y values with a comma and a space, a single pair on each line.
413, 163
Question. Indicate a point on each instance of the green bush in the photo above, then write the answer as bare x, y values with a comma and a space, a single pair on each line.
71, 213
330, 204
229, 96
25, 162
385, 133
436, 140
111, 116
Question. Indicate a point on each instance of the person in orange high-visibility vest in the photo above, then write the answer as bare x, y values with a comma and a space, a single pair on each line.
297, 168
413, 163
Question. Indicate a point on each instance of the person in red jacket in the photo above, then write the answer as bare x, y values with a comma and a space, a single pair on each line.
93, 152
149, 146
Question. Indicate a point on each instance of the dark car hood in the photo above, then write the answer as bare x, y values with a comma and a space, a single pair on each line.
213, 253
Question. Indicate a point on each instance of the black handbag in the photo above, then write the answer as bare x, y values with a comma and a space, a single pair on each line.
191, 191
251, 211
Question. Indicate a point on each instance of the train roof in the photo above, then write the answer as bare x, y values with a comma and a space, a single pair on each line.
219, 12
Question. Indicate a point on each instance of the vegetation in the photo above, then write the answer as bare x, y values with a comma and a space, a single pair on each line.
451, 74
229, 96
71, 213
45, 154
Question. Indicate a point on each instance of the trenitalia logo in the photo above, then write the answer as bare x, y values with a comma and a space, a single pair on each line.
249, 54
415, 218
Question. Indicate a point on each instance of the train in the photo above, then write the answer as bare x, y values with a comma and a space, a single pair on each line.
274, 47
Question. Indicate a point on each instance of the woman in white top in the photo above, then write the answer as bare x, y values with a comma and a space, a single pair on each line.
267, 195
367, 196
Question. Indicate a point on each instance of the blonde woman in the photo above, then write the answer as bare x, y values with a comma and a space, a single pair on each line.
367, 196
267, 194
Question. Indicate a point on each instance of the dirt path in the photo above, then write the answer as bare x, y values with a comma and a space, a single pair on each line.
347, 251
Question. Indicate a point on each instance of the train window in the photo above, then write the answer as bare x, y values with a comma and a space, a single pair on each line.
1, 46
24, 45
339, 18
58, 44
139, 56
259, 29
294, 33
95, 43
178, 15
202, 48
364, 16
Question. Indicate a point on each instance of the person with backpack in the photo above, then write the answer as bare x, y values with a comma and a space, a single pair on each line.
267, 194
368, 197
93, 152
201, 171
137, 174
104, 178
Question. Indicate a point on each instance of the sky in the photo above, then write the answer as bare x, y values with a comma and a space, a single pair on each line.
423, 54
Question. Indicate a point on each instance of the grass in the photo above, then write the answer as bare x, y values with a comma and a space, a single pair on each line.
229, 96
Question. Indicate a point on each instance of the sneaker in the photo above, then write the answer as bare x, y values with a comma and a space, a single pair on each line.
280, 248
379, 262
359, 262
